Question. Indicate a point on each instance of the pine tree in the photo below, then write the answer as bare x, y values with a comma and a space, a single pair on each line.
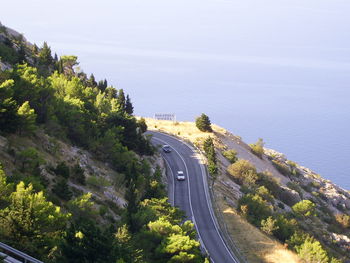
27, 118
132, 206
129, 109
121, 100
92, 82
45, 56
203, 123
9, 119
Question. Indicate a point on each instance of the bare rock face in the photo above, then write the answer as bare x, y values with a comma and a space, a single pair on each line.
341, 240
289, 196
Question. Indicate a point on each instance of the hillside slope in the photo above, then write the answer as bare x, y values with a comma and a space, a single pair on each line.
278, 185
79, 180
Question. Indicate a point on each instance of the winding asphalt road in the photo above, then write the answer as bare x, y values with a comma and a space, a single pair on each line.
192, 195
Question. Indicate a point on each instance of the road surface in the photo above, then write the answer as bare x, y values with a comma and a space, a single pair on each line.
192, 195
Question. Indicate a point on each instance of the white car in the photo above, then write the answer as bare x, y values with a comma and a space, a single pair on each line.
180, 176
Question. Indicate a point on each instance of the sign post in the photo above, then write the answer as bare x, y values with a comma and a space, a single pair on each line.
165, 117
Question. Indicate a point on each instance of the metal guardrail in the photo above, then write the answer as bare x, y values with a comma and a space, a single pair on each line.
14, 255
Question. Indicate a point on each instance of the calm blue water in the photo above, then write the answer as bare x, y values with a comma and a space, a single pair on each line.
279, 70
309, 122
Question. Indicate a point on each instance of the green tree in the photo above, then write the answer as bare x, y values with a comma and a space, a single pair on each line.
142, 124
27, 118
121, 100
87, 242
286, 227
32, 224
78, 174
5, 189
203, 123
61, 189
304, 208
129, 108
9, 120
68, 63
91, 81
312, 252
62, 170
254, 208
211, 157
29, 159
45, 56
132, 205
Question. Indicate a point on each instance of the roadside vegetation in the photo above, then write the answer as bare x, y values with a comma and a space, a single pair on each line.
78, 182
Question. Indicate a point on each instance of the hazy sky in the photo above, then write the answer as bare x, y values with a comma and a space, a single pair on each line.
298, 33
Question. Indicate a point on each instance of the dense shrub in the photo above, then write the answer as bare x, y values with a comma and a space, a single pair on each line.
254, 208
243, 172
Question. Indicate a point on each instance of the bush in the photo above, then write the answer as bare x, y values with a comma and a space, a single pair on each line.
343, 220
286, 227
265, 194
203, 123
258, 148
304, 208
269, 225
230, 155
243, 172
254, 208
281, 167
266, 179
62, 170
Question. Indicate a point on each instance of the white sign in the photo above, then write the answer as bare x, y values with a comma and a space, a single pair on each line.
165, 117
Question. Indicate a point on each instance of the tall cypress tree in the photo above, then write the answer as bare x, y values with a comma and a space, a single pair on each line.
121, 100
129, 108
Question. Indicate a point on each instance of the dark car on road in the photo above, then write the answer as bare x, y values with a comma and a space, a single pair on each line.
166, 148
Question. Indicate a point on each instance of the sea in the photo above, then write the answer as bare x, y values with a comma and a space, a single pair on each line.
277, 70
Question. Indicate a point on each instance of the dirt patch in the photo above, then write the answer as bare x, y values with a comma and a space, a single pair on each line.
252, 243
